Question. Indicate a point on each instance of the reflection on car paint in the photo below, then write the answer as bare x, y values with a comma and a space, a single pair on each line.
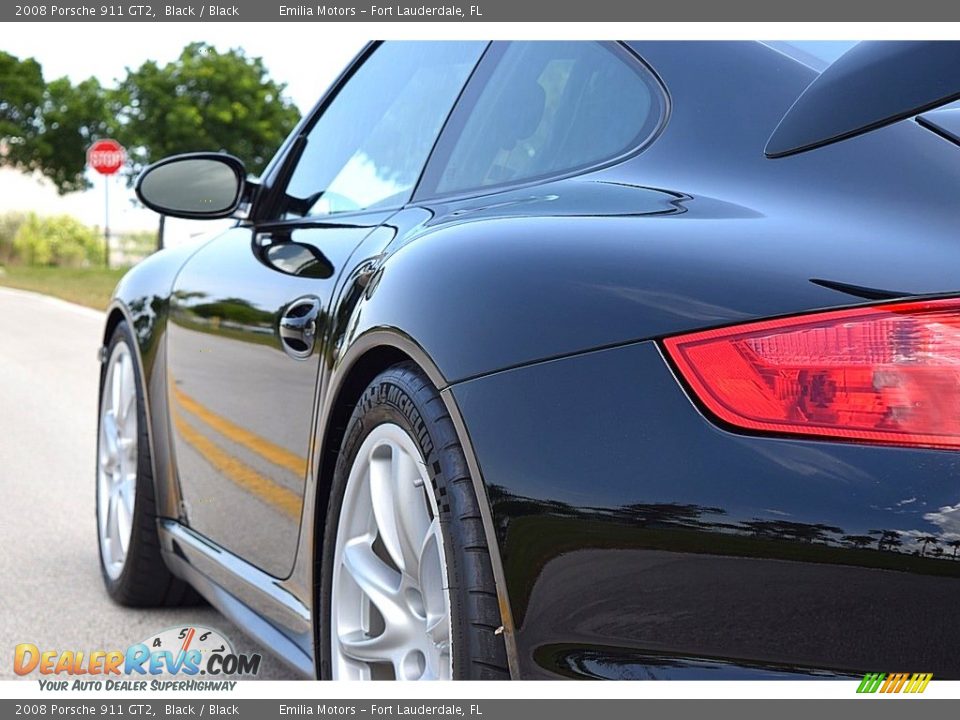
232, 467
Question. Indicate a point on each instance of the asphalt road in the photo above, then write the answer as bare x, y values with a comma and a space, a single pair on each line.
51, 593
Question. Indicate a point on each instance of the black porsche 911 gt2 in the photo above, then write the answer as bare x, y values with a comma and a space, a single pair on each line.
560, 359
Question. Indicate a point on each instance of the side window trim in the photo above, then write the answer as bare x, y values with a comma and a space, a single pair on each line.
436, 162
462, 97
280, 170
456, 121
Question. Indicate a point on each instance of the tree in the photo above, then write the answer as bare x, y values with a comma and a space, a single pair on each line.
47, 127
857, 541
204, 100
71, 118
887, 539
21, 95
926, 540
955, 544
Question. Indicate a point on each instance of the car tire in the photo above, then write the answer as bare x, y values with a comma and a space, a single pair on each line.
402, 408
135, 575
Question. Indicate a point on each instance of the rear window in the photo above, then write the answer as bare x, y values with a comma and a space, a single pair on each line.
547, 108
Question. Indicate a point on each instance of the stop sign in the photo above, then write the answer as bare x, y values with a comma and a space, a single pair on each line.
106, 156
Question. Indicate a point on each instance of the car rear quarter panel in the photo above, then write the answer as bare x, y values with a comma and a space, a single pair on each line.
641, 540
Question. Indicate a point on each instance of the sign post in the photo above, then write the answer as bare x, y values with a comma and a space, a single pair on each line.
106, 157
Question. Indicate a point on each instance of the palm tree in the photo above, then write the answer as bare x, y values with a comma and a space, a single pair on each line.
857, 541
954, 544
927, 540
887, 539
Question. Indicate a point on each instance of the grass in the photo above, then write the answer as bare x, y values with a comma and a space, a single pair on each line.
91, 287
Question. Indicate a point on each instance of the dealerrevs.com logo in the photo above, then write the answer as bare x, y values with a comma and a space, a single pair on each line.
186, 652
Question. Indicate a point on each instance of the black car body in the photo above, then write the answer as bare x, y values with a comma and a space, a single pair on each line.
634, 534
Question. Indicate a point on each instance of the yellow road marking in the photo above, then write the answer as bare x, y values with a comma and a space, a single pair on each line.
286, 501
263, 447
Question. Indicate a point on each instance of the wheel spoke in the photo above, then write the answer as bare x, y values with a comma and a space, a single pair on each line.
126, 411
390, 600
430, 577
127, 493
127, 450
435, 601
383, 497
358, 645
376, 579
116, 391
438, 660
108, 459
399, 505
109, 434
413, 519
124, 517
110, 531
438, 630
117, 458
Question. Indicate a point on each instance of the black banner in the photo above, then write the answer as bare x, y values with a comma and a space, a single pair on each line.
478, 11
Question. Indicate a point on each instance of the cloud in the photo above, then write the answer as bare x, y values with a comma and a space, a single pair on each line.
947, 519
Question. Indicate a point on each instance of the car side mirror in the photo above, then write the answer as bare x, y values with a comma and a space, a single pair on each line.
196, 186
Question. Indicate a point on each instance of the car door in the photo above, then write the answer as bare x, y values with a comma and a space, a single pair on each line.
249, 311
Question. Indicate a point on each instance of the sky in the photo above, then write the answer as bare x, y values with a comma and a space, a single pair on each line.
81, 50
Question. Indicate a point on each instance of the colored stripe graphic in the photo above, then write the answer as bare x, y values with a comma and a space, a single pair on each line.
871, 682
894, 683
920, 683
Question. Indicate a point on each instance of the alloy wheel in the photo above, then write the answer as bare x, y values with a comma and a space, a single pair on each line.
117, 460
390, 610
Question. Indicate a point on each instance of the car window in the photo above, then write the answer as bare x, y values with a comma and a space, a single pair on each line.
368, 148
547, 108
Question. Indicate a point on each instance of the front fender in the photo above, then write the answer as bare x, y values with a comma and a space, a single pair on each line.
142, 299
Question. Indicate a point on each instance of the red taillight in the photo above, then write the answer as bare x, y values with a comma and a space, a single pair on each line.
886, 374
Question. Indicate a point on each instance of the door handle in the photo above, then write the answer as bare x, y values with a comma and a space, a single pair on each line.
298, 327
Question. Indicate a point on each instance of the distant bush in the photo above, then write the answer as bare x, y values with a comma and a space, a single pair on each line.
56, 240
133, 246
9, 224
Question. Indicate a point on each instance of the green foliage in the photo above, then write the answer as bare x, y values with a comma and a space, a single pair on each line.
205, 100
73, 116
58, 240
9, 224
47, 127
138, 243
21, 96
